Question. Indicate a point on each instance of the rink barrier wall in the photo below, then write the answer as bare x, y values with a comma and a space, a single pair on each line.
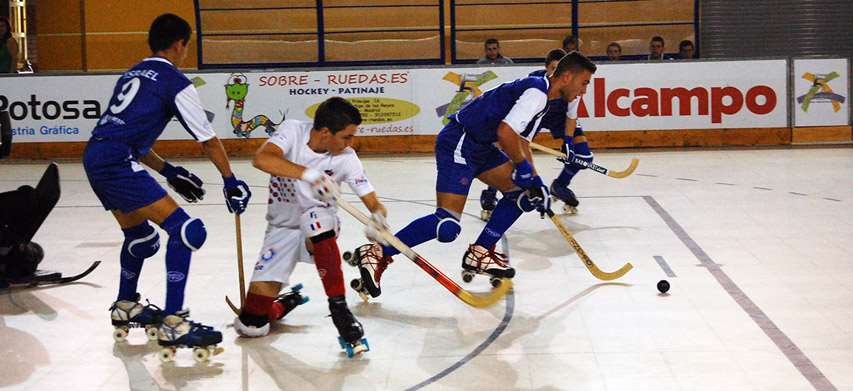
627, 105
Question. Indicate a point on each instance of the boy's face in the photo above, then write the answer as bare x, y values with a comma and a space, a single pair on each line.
614, 52
492, 51
575, 84
336, 143
551, 67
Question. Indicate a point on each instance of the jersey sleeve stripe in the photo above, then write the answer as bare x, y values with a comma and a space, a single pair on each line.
192, 116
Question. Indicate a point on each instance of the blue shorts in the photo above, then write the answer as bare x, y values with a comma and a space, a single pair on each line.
460, 159
117, 178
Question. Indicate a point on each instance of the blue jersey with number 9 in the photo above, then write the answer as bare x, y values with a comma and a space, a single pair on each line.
144, 100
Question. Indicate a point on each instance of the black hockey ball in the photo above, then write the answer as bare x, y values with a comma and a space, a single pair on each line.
663, 286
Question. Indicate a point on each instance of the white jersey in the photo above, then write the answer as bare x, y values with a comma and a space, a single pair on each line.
289, 198
572, 110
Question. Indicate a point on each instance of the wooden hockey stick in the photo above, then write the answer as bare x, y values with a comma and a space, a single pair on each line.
590, 265
591, 166
478, 300
239, 267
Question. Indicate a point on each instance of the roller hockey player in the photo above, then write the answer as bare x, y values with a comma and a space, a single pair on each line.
559, 117
144, 100
509, 115
306, 162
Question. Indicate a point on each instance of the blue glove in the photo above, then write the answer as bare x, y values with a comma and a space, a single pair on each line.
237, 194
523, 176
183, 182
539, 197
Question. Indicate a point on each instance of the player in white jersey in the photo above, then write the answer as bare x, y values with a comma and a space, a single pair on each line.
303, 159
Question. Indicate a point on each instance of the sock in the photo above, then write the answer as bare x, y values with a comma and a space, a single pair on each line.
327, 258
131, 265
177, 262
565, 177
504, 215
417, 232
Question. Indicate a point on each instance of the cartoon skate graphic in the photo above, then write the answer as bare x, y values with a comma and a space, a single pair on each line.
236, 90
469, 88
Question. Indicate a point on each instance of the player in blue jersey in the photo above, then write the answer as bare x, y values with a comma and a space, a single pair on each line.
510, 115
560, 116
144, 100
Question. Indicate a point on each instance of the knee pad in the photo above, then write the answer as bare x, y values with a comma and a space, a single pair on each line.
190, 231
142, 241
448, 227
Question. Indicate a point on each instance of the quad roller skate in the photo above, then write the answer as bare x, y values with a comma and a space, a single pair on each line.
480, 260
567, 196
127, 314
488, 202
371, 264
291, 300
351, 334
177, 331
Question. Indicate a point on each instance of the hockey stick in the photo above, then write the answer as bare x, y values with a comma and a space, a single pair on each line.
478, 300
239, 267
591, 166
590, 265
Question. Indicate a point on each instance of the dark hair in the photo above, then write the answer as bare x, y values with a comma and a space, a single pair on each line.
616, 44
570, 39
166, 30
684, 44
574, 61
491, 40
336, 113
657, 38
554, 55
8, 33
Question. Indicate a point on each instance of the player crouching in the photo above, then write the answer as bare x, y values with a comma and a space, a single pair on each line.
304, 161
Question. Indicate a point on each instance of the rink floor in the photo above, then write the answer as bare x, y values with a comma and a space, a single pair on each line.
757, 245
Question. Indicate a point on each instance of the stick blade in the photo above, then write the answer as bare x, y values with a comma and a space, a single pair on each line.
607, 276
233, 307
486, 299
628, 171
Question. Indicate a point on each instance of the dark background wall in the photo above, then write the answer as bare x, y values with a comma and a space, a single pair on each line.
736, 28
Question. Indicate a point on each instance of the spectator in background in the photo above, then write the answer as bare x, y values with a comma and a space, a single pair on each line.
493, 53
614, 51
8, 48
656, 46
686, 50
571, 44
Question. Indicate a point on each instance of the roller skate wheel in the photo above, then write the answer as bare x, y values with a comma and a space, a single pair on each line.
151, 332
496, 282
364, 296
296, 288
356, 284
167, 354
349, 258
120, 334
358, 348
467, 276
304, 300
201, 354
570, 210
485, 215
342, 342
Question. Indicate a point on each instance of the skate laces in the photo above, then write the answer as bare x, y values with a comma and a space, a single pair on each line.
485, 257
375, 261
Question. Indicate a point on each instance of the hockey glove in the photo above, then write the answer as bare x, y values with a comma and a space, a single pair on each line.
183, 182
237, 194
539, 197
377, 225
523, 176
322, 186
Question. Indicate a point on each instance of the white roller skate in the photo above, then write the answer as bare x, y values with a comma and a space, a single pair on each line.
127, 314
567, 196
177, 331
480, 260
371, 264
350, 331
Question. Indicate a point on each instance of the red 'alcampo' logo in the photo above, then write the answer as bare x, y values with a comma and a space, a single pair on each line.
651, 102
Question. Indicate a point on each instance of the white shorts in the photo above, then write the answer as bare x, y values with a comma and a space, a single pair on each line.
285, 246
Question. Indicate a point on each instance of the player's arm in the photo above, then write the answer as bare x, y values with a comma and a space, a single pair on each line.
192, 116
270, 159
514, 135
371, 201
153, 160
